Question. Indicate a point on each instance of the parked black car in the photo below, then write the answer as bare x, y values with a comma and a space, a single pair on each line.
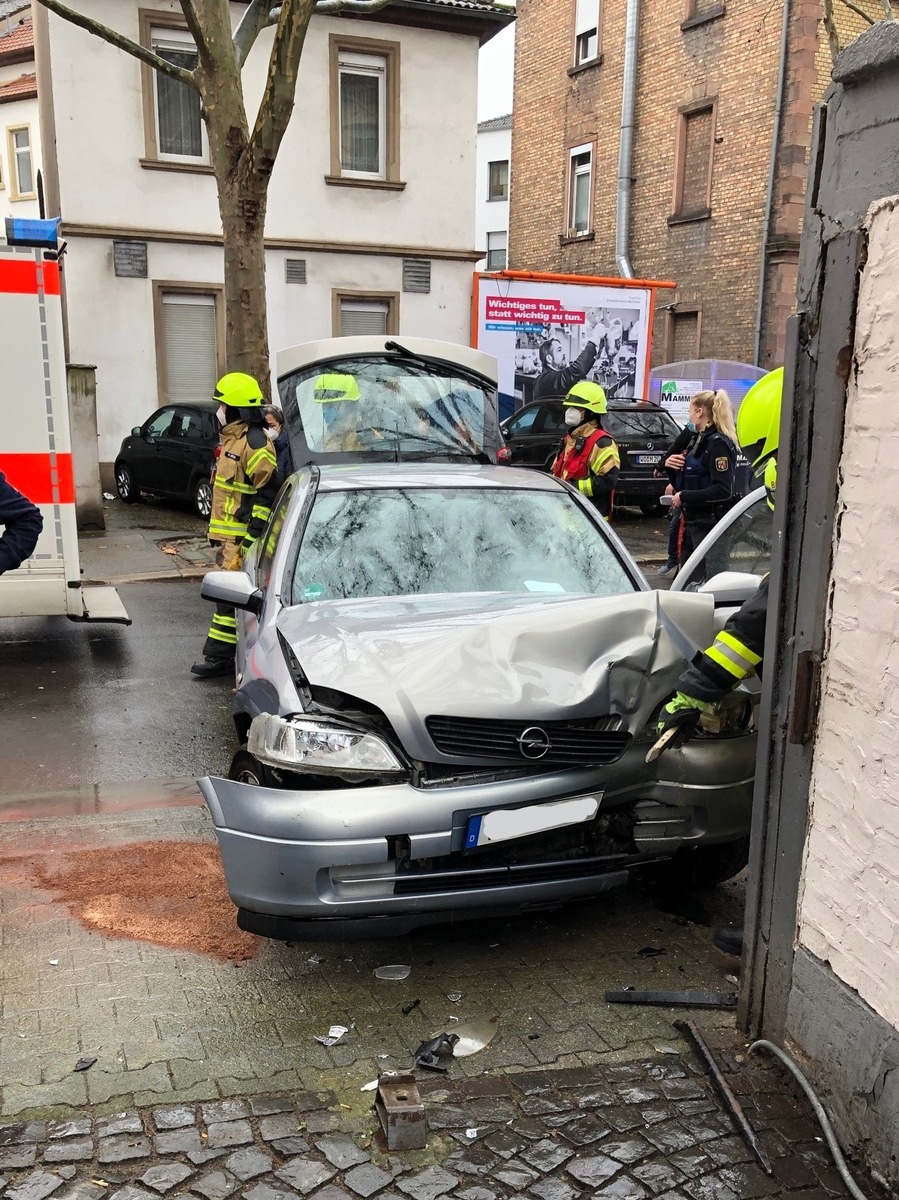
642, 430
172, 454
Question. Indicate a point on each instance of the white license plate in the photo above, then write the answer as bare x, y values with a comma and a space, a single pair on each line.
503, 824
648, 460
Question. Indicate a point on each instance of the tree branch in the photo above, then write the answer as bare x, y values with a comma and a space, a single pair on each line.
120, 42
888, 10
855, 8
280, 88
257, 16
830, 25
193, 24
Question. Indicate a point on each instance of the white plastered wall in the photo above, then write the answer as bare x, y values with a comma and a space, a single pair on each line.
491, 216
849, 907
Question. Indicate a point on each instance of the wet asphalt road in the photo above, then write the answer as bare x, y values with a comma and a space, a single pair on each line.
89, 704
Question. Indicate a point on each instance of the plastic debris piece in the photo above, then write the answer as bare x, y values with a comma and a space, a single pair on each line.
533, 1037
54, 962
471, 1134
731, 978
101, 1182
429, 1053
315, 959
451, 1018
369, 1087
84, 1064
107, 496
651, 952
454, 997
383, 1056
334, 1035
393, 971
473, 1036
169, 550
407, 1008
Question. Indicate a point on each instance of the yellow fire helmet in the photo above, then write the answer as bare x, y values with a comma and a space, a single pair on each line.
589, 396
333, 386
237, 390
758, 419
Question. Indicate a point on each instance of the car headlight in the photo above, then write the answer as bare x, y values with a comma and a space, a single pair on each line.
297, 742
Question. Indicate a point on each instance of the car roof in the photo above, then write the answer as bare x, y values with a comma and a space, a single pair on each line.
341, 349
202, 405
350, 477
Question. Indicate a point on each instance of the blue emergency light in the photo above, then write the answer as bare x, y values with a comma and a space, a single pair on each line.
26, 231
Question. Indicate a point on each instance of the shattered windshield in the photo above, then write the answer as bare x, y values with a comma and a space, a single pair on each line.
390, 407
421, 541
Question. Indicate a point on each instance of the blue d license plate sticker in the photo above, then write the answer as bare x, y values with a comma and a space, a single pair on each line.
503, 824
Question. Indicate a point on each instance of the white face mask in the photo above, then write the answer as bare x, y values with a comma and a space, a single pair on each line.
573, 416
221, 415
270, 433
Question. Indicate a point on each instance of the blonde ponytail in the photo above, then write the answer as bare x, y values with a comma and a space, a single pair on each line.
721, 413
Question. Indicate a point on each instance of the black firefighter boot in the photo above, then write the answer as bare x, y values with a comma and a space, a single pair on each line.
211, 668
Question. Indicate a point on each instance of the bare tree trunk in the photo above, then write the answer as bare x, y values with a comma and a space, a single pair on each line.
242, 208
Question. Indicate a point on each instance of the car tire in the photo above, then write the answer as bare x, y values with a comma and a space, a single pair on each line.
202, 497
707, 866
651, 508
124, 484
247, 769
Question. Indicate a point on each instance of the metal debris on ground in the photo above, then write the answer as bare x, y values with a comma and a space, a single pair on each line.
396, 971
401, 1112
429, 1053
473, 1036
674, 999
750, 1137
315, 959
454, 997
84, 1064
334, 1035
651, 952
407, 1008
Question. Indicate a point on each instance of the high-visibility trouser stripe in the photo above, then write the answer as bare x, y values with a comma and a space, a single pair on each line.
261, 512
232, 485
223, 629
261, 456
233, 530
733, 656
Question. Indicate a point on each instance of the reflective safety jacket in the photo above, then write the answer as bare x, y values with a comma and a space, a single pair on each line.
735, 653
245, 484
588, 458
23, 524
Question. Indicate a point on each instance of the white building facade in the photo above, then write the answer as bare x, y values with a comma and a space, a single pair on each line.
20, 148
370, 222
494, 157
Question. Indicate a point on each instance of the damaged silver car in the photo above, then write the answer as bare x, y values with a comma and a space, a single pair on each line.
448, 678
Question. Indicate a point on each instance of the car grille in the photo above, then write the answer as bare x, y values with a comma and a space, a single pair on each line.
568, 743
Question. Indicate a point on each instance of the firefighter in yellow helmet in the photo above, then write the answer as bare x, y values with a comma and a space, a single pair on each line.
338, 394
245, 484
736, 652
588, 457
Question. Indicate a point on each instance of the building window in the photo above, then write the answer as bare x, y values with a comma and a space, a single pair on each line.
355, 314
174, 129
364, 111
580, 191
586, 32
682, 329
498, 185
699, 11
496, 250
695, 149
189, 340
21, 167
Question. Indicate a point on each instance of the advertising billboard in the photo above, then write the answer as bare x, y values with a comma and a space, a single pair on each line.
547, 332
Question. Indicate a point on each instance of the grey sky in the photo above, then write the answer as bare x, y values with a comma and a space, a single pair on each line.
495, 75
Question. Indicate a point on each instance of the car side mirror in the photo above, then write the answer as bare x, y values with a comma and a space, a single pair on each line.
731, 587
234, 588
137, 431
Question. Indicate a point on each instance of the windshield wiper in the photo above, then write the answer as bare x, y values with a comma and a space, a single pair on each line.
404, 351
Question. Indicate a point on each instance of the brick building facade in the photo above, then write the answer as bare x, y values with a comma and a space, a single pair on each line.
704, 200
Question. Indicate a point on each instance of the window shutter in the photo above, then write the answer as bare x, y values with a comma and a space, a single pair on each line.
295, 270
191, 359
586, 16
359, 317
416, 275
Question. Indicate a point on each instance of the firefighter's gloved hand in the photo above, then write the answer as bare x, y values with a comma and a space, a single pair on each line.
236, 563
682, 713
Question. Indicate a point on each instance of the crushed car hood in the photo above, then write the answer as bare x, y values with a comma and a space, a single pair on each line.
499, 656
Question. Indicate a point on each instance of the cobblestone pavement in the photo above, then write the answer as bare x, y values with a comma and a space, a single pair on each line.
650, 1128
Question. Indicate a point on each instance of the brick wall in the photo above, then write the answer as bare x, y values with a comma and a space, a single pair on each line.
731, 58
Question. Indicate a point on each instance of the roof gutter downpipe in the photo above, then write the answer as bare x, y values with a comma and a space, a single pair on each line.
626, 142
772, 173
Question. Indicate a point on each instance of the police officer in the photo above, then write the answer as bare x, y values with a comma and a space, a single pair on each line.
23, 524
244, 486
736, 652
588, 456
708, 468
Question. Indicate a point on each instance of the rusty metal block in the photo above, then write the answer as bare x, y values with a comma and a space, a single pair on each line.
401, 1112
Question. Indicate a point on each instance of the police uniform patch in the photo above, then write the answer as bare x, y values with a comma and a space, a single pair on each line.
721, 464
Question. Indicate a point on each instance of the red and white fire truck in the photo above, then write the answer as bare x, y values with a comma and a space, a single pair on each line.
35, 440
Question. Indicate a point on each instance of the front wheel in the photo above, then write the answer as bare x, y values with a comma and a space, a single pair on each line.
124, 484
247, 769
202, 497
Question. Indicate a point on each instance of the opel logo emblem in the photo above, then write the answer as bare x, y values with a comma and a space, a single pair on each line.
534, 742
